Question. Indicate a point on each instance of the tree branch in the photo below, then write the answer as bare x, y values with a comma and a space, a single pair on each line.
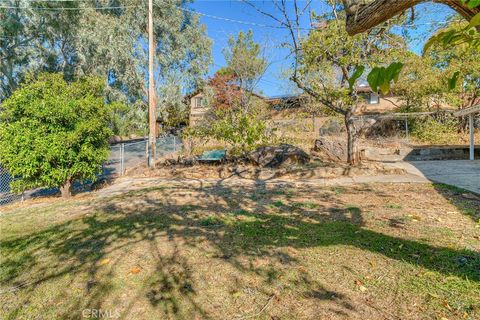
317, 96
362, 17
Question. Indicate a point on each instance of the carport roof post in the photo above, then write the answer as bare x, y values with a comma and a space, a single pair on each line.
470, 112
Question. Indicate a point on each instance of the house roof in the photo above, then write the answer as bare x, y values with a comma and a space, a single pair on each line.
200, 90
360, 88
283, 97
364, 89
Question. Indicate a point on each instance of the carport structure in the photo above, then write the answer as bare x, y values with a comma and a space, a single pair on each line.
470, 112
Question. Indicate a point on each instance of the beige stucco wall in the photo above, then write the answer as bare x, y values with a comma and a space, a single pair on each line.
386, 104
196, 114
390, 104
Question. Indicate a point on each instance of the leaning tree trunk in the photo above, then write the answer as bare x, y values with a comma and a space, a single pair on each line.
363, 16
66, 189
352, 155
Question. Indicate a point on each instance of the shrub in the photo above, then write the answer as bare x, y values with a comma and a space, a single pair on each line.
128, 120
435, 131
53, 132
242, 131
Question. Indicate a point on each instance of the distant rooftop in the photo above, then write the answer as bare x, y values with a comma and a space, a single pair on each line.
283, 96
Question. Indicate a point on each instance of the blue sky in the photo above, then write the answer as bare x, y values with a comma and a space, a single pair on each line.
428, 17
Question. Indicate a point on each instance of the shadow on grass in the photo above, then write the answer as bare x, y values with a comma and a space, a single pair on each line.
462, 199
77, 247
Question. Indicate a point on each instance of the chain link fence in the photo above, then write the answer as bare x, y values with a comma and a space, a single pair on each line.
123, 156
6, 196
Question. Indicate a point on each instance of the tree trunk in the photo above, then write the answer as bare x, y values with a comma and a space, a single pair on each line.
66, 189
362, 17
352, 158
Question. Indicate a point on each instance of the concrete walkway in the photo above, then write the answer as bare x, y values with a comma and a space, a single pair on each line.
460, 173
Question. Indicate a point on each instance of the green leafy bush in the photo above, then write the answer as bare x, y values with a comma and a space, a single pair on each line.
53, 132
128, 120
242, 131
434, 131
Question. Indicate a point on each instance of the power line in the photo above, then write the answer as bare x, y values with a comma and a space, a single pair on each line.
282, 27
249, 23
67, 8
53, 1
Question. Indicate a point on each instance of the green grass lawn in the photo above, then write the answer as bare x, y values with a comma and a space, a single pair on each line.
218, 252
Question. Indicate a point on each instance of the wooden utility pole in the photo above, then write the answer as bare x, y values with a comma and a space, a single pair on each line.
151, 89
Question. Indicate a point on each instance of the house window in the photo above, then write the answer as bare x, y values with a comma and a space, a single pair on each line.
198, 102
374, 98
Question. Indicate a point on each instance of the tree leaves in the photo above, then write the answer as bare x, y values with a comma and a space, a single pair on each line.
244, 59
357, 73
474, 22
454, 36
380, 78
53, 131
472, 3
452, 82
107, 43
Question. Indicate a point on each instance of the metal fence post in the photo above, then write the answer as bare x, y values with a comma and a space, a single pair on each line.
406, 128
146, 150
471, 126
122, 159
174, 144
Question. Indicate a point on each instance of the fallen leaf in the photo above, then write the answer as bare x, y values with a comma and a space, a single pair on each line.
362, 288
104, 261
433, 295
135, 270
302, 269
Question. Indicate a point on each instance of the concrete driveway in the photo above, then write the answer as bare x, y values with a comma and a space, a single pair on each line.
460, 173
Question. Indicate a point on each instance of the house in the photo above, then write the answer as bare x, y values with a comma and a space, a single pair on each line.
372, 103
377, 103
198, 109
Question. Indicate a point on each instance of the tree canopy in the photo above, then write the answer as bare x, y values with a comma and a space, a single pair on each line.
53, 132
223, 89
107, 39
237, 115
244, 60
